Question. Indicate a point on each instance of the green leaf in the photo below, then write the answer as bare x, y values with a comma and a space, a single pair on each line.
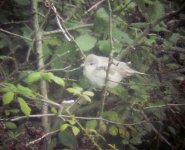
122, 132
46, 52
174, 38
87, 98
88, 93
75, 90
10, 125
47, 76
25, 91
101, 22
8, 97
53, 110
24, 106
86, 42
112, 115
33, 77
75, 130
8, 87
64, 127
113, 130
92, 124
121, 36
58, 80
72, 122
103, 127
104, 46
68, 139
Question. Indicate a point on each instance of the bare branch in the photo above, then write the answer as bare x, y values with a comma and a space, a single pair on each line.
42, 137
156, 131
17, 35
94, 6
69, 29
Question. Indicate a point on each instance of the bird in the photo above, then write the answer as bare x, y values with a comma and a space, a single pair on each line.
95, 70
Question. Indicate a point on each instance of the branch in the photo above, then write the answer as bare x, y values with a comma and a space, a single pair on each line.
62, 27
147, 30
156, 131
17, 35
159, 106
69, 29
77, 117
40, 61
94, 6
110, 59
42, 137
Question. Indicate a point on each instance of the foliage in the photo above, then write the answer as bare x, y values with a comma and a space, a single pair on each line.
140, 112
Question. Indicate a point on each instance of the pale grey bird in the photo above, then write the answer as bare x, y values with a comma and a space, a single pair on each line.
95, 71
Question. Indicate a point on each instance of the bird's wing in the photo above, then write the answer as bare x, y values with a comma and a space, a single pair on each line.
103, 65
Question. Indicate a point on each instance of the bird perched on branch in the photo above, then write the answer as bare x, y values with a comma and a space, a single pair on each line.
95, 70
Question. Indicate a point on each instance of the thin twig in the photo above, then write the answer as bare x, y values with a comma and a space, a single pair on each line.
69, 29
156, 131
42, 137
110, 60
165, 105
77, 117
94, 6
17, 35
17, 22
60, 23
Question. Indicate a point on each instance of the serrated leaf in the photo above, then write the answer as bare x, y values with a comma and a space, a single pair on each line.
75, 130
25, 91
8, 87
113, 131
8, 97
86, 42
92, 124
24, 106
64, 126
88, 93
33, 77
10, 125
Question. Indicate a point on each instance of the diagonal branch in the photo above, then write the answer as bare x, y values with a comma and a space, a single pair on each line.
156, 131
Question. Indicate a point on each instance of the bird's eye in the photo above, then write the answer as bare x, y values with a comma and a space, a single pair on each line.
91, 64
